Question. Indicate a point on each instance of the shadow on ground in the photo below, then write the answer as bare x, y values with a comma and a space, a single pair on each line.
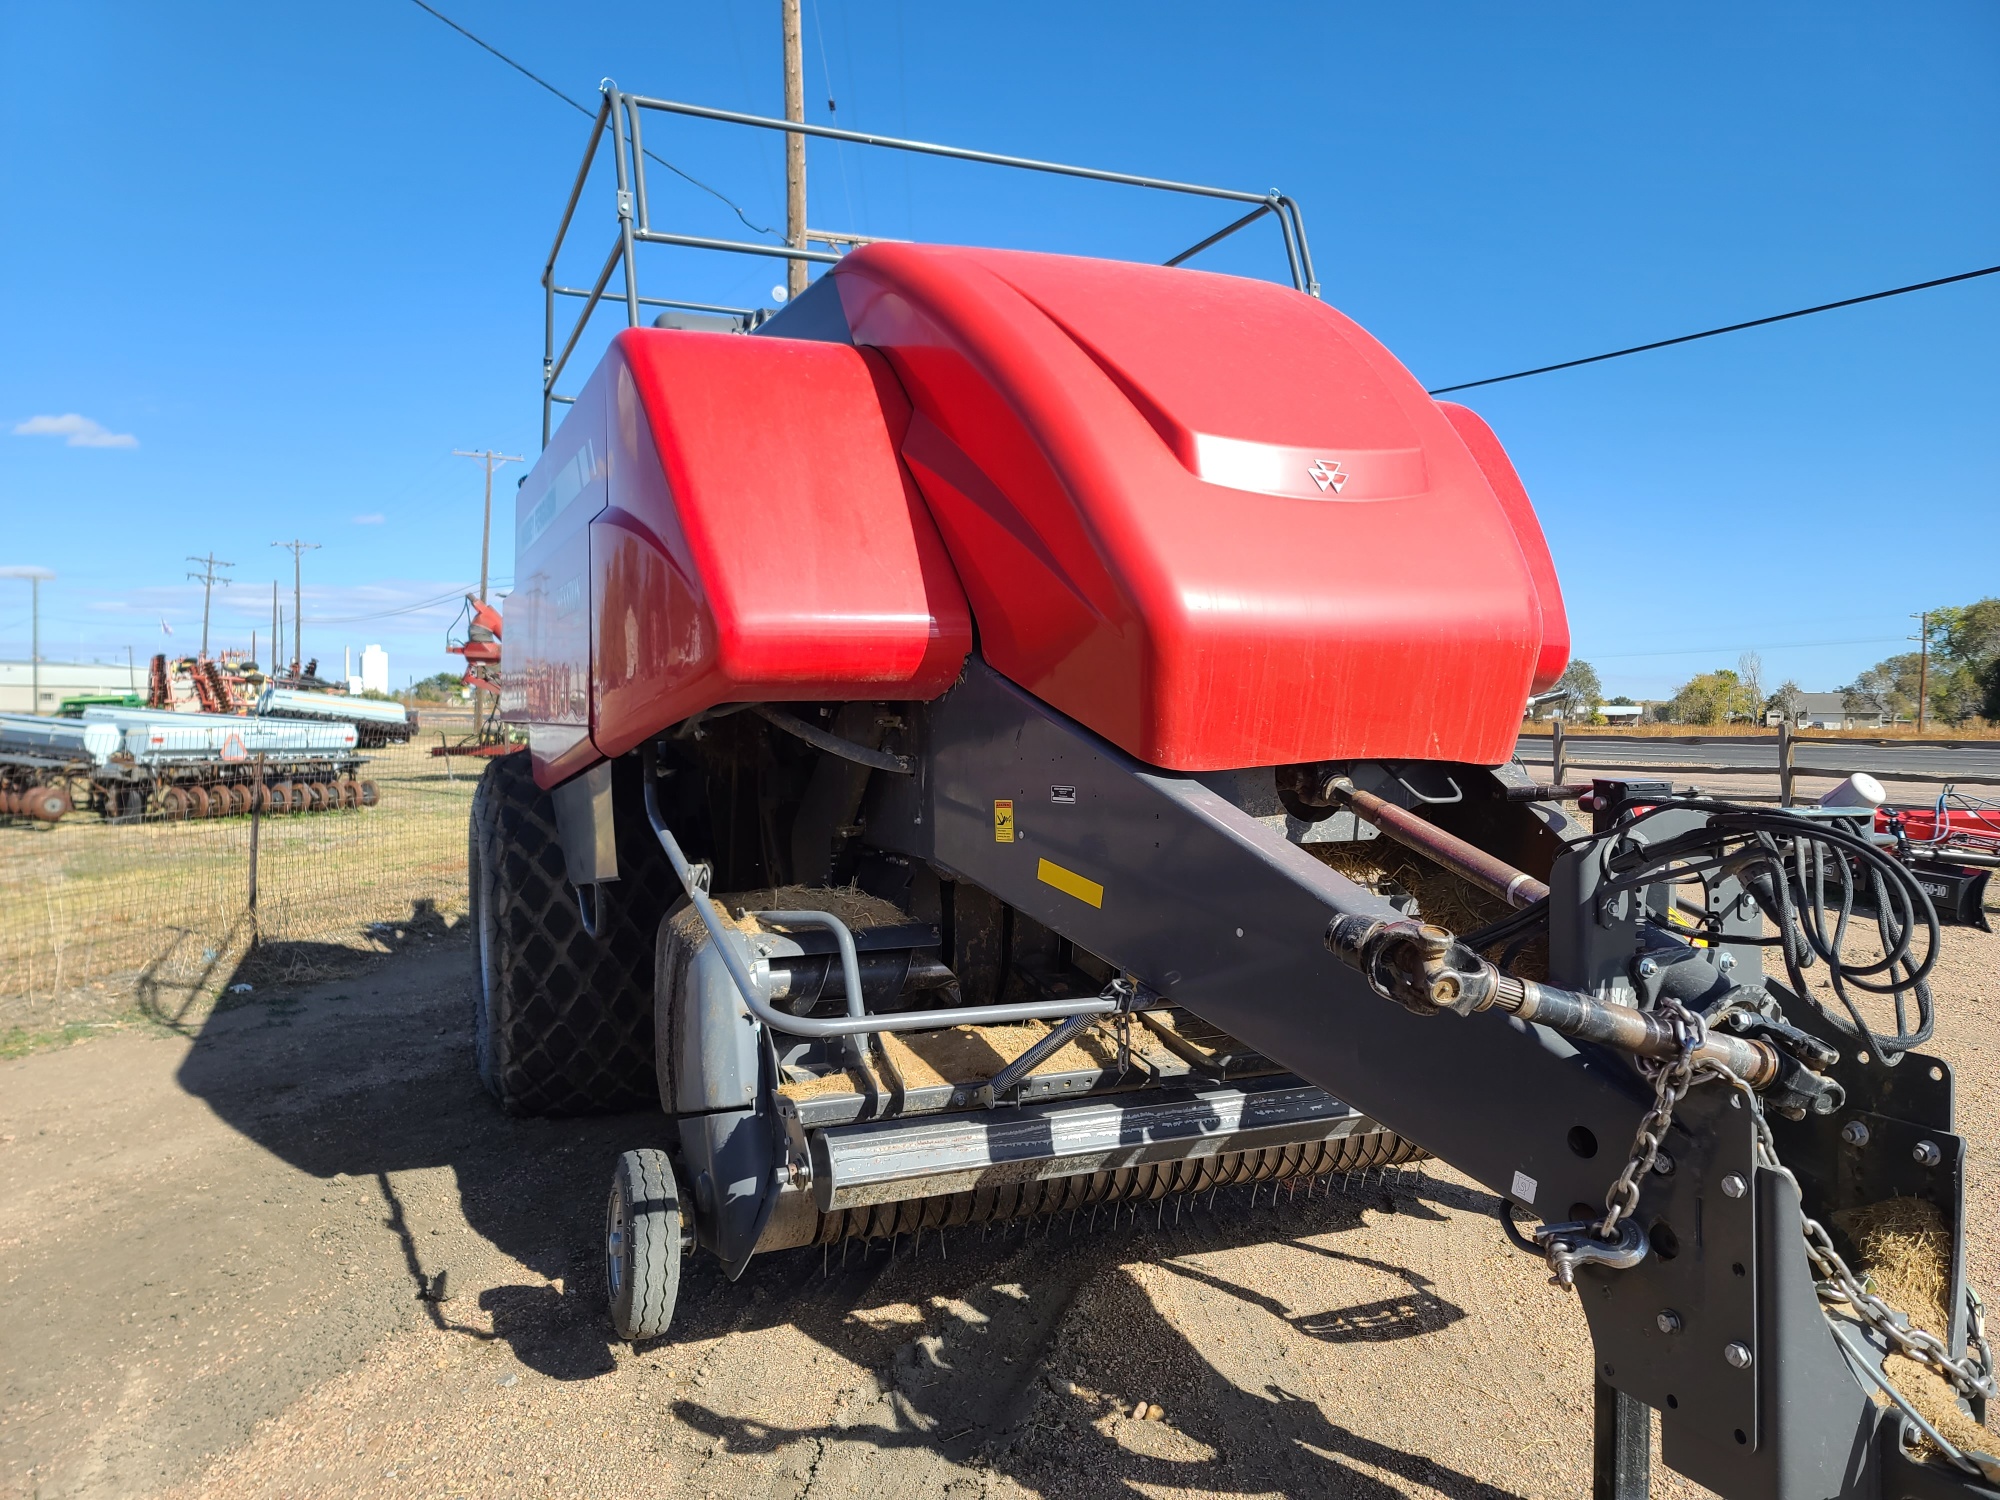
371, 1076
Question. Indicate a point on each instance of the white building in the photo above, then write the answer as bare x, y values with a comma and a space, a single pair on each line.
374, 670
64, 679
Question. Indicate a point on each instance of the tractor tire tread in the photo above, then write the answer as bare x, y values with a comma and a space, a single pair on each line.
563, 1021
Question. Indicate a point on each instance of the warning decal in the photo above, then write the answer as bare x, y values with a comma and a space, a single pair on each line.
1003, 822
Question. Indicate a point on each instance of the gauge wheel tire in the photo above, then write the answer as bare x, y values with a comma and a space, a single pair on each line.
562, 1021
367, 794
642, 1245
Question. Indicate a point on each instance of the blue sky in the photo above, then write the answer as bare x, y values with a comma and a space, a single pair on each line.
281, 261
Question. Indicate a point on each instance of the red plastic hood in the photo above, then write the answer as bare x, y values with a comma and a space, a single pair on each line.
721, 520
1211, 518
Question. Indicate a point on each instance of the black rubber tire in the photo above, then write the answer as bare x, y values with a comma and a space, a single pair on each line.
642, 1245
562, 1021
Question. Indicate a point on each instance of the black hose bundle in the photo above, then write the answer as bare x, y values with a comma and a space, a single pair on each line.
1815, 881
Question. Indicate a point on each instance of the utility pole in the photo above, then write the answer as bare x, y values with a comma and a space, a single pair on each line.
795, 148
277, 640
486, 530
208, 578
298, 550
34, 577
1923, 639
131, 671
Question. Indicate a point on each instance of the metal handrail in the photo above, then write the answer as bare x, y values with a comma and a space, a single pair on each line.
621, 114
932, 148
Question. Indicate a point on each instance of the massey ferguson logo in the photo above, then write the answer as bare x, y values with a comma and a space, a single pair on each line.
1328, 475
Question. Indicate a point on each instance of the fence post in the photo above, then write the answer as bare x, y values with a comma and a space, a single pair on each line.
257, 796
1784, 762
1556, 757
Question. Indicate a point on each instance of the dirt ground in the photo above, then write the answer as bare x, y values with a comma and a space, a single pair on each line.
295, 1251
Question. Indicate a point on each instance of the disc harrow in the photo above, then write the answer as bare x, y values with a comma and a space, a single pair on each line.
234, 799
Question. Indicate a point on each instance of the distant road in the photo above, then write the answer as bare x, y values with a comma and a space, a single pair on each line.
1975, 762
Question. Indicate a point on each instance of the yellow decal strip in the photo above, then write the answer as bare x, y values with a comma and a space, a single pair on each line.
1070, 883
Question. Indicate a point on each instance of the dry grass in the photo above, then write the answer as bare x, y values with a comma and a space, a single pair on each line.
94, 911
1906, 1253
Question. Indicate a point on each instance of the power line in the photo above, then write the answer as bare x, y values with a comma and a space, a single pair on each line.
298, 550
536, 78
1709, 333
407, 609
1879, 640
486, 528
208, 578
1443, 390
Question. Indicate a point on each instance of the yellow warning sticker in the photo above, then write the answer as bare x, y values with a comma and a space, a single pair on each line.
1070, 883
1003, 822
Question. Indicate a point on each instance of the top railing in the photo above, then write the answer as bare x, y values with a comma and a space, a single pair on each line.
622, 115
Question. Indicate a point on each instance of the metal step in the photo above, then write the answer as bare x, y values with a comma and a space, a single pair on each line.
892, 1160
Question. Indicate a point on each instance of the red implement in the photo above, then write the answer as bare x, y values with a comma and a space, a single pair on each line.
1971, 828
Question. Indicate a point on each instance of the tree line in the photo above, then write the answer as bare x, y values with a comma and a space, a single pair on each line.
1955, 671
1959, 681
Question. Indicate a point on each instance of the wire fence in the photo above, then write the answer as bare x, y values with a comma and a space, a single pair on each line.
98, 918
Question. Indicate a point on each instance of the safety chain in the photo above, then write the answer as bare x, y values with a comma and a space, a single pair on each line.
1671, 1082
1971, 1377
